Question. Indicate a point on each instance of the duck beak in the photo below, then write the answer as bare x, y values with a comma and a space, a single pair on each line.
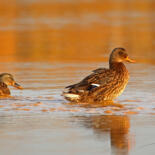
16, 85
130, 60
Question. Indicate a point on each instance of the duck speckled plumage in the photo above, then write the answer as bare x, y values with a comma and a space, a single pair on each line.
6, 80
103, 84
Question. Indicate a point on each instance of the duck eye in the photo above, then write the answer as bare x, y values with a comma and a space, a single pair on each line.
121, 53
125, 55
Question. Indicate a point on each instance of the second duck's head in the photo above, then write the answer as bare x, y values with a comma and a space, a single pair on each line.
9, 80
119, 55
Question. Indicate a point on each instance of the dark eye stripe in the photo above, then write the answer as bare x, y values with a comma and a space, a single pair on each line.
121, 53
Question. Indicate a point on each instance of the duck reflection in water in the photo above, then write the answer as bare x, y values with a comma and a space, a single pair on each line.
117, 126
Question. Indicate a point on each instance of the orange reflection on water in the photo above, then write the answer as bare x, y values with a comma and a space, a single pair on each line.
117, 126
76, 30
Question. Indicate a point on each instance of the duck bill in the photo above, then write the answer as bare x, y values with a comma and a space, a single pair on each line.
130, 60
16, 85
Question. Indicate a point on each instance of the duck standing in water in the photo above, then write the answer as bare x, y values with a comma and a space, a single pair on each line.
6, 80
103, 84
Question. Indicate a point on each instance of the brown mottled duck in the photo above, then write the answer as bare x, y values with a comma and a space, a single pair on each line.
103, 84
6, 80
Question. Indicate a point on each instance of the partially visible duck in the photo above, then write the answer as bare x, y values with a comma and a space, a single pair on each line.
6, 80
103, 84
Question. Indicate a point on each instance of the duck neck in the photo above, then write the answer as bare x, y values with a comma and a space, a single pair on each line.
117, 66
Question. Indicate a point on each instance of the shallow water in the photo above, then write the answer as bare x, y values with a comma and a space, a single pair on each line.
48, 45
44, 83
39, 120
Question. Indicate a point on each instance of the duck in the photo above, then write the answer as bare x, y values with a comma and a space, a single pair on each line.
6, 80
103, 84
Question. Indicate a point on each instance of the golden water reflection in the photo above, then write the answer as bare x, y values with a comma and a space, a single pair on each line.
76, 30
117, 127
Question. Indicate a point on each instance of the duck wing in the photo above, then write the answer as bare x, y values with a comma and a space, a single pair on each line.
99, 77
4, 90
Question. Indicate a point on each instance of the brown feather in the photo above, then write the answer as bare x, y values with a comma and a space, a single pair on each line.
103, 84
4, 90
112, 83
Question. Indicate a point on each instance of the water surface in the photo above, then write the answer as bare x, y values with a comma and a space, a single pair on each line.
39, 120
48, 45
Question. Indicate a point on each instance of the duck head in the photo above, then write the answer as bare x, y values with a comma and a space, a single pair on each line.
9, 80
120, 55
